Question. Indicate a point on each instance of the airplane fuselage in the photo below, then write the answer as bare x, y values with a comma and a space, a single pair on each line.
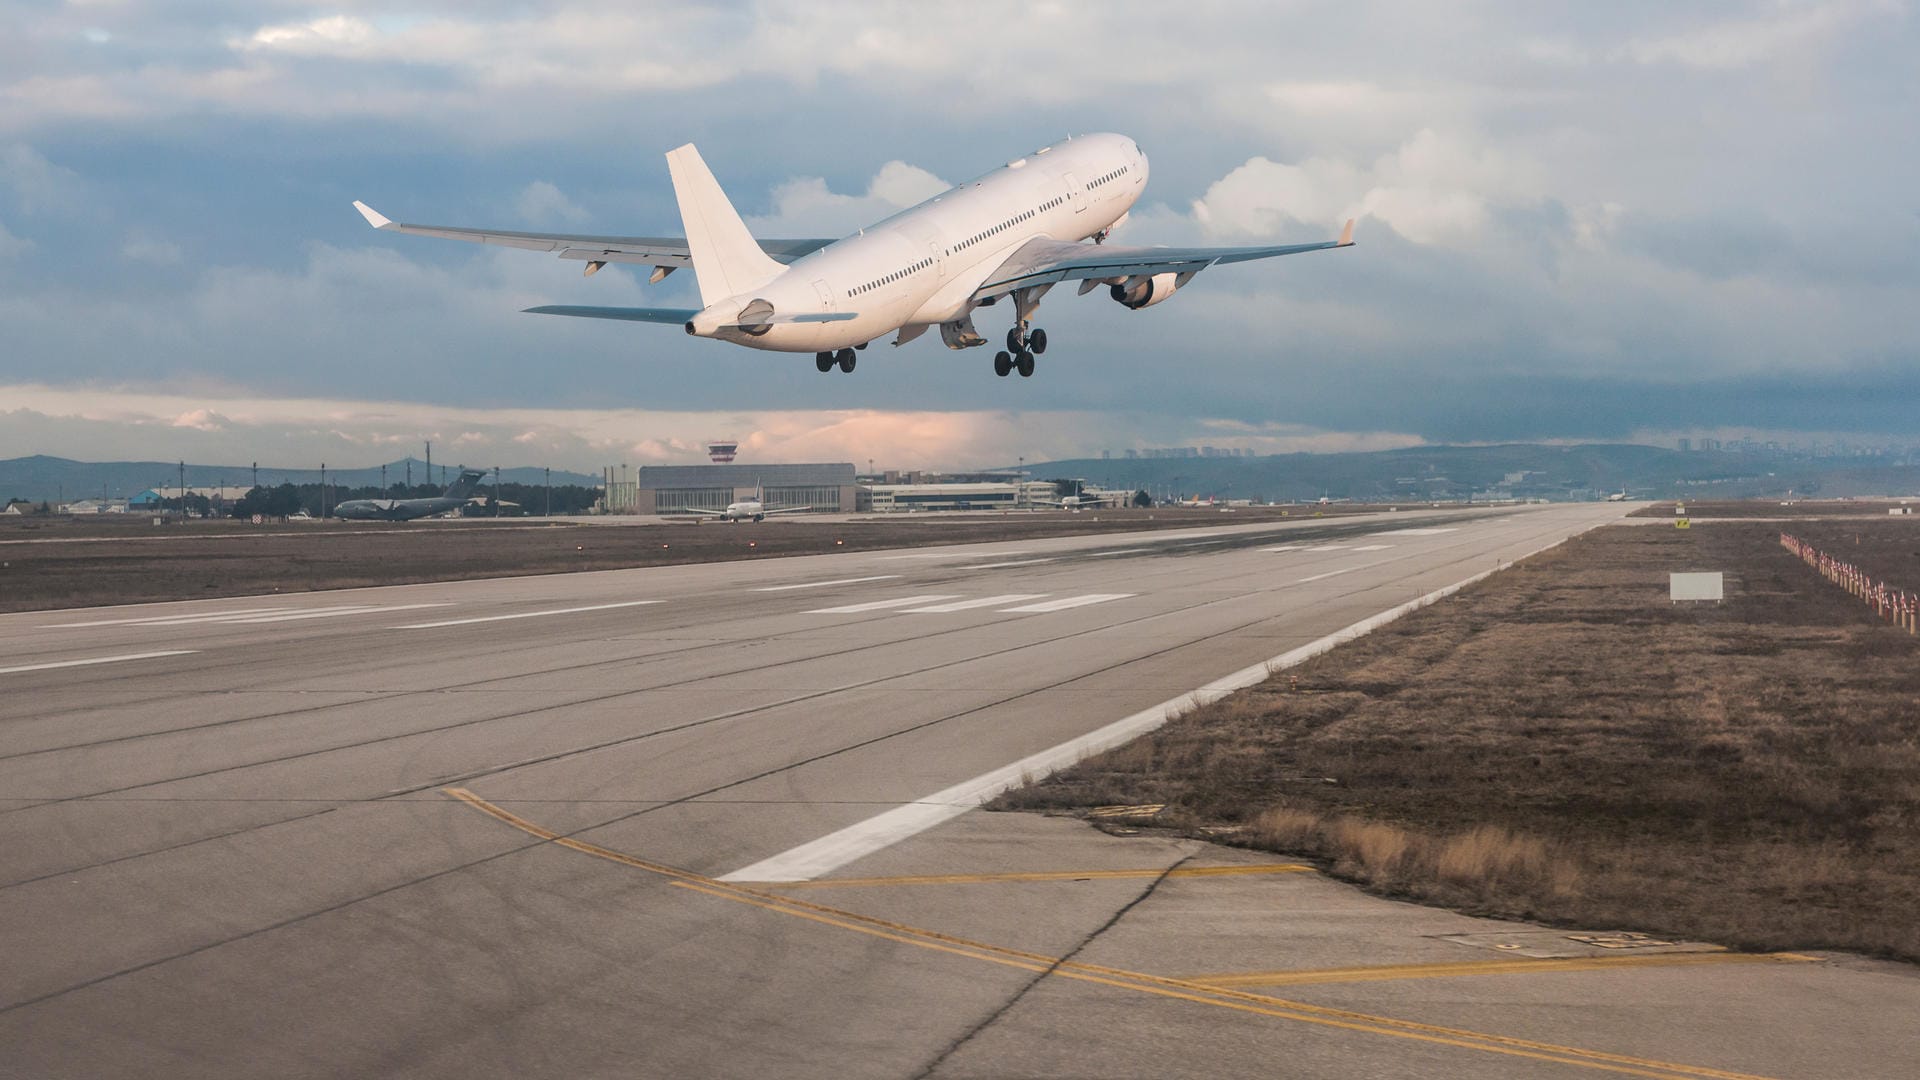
921, 266
394, 509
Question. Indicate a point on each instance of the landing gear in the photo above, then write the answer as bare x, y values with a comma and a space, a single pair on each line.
1020, 339
1024, 362
1002, 364
823, 361
846, 359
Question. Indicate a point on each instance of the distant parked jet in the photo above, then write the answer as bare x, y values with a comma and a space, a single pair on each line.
408, 509
754, 509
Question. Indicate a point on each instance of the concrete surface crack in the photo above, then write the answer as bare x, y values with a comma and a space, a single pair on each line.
1065, 958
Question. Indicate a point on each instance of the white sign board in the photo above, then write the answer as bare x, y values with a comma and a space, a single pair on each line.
1695, 586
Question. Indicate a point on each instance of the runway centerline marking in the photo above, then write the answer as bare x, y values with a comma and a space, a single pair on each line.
824, 584
375, 609
999, 565
1464, 968
525, 615
1373, 547
1120, 978
1419, 532
1120, 551
1070, 602
92, 660
881, 605
1045, 875
1328, 574
956, 555
966, 605
169, 619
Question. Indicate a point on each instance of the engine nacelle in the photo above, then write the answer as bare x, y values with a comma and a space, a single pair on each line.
1140, 291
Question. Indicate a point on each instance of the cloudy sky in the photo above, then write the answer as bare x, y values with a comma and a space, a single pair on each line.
1576, 221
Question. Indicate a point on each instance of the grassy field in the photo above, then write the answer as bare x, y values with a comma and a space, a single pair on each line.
1562, 743
78, 562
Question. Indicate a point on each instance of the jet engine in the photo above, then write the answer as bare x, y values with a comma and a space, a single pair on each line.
1142, 291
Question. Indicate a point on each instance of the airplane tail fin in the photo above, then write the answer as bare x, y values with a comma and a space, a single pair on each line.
463, 487
726, 259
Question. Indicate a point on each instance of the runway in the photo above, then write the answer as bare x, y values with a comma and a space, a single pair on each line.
714, 820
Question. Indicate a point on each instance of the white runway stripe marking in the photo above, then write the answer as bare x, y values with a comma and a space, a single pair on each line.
957, 555
326, 613
167, 619
95, 660
524, 615
1327, 547
963, 605
1373, 547
1287, 547
1328, 574
998, 565
1121, 551
879, 605
1071, 602
1419, 532
824, 584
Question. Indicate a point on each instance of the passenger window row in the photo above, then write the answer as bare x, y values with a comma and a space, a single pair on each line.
895, 276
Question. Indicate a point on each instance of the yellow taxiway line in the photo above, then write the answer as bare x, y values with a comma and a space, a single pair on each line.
1139, 982
1510, 966
1040, 875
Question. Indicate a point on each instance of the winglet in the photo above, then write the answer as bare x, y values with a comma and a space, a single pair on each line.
1346, 234
374, 217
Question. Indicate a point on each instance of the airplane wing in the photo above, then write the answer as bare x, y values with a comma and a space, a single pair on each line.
681, 315
691, 510
785, 510
665, 253
1046, 262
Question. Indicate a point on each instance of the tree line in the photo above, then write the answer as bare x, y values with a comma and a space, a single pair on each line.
289, 499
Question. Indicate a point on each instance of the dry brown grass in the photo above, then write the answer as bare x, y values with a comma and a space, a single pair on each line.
1561, 742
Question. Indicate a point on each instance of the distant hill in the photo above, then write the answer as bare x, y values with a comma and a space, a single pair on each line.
50, 478
1520, 470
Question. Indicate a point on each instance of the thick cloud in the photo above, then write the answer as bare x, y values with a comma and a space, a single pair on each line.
1574, 222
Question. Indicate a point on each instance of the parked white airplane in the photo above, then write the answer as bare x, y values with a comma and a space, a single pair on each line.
1015, 232
754, 509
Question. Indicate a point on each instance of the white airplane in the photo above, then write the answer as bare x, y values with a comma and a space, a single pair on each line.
1620, 496
1014, 233
754, 509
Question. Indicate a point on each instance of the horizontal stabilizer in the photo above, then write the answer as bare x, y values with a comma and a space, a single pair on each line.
628, 314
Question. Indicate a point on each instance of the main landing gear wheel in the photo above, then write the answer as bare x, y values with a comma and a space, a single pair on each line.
823, 361
846, 360
1025, 363
1016, 340
1037, 341
1002, 364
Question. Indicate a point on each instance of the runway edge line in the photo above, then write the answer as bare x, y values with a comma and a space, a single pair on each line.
837, 849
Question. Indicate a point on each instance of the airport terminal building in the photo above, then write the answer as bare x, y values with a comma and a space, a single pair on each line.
664, 489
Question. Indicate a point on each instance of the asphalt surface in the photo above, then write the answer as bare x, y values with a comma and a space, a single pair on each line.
676, 822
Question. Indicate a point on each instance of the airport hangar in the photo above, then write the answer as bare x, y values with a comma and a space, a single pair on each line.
664, 489
829, 488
